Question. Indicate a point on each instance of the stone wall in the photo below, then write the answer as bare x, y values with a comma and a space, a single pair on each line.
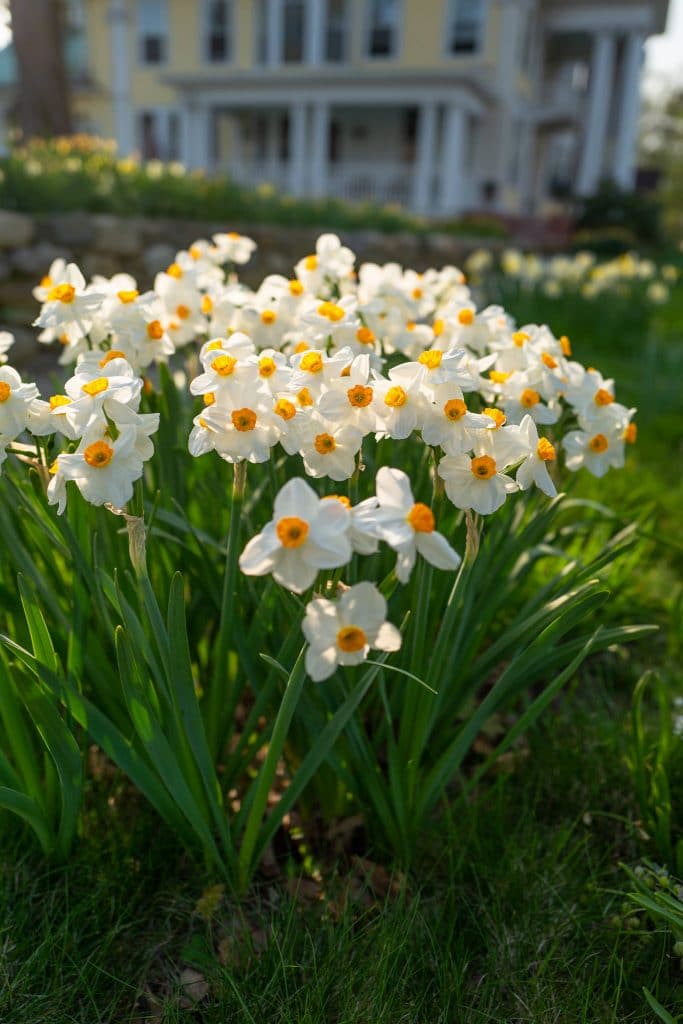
104, 244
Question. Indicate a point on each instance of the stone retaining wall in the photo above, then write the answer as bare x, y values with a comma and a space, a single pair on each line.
105, 244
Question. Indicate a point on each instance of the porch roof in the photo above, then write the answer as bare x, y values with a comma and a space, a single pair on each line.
346, 86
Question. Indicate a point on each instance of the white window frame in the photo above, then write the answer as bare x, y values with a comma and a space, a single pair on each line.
451, 12
165, 37
205, 29
367, 30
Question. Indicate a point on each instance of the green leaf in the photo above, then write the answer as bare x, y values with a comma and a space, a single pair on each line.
27, 808
158, 748
663, 1014
182, 685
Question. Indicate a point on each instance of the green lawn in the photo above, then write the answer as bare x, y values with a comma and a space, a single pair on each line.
517, 915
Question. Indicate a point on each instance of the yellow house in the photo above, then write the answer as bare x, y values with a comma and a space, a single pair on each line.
439, 105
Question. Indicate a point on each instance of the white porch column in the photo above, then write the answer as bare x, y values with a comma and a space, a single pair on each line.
423, 199
527, 164
453, 161
274, 13
601, 87
196, 147
623, 166
315, 31
297, 149
319, 148
124, 128
272, 145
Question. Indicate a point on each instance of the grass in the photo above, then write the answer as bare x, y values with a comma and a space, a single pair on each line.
517, 917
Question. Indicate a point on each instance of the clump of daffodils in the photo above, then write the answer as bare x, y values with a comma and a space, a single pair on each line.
320, 366
579, 274
92, 434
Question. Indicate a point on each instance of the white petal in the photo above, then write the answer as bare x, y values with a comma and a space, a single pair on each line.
436, 550
296, 498
321, 664
393, 489
260, 555
292, 572
363, 606
388, 638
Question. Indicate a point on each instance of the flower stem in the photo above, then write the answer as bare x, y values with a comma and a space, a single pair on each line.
221, 701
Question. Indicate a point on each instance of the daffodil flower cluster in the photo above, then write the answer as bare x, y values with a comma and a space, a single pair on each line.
579, 273
308, 534
98, 438
321, 364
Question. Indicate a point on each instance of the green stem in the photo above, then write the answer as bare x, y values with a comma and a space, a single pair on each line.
220, 702
290, 699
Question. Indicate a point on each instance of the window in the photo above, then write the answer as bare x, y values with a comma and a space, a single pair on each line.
335, 31
466, 29
218, 35
148, 128
75, 44
159, 134
293, 31
383, 28
152, 31
261, 31
173, 142
409, 133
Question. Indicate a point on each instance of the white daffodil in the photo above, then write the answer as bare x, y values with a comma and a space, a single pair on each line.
274, 370
448, 423
6, 342
94, 390
322, 270
342, 632
292, 422
330, 449
534, 469
69, 307
364, 540
181, 301
16, 399
399, 403
242, 432
229, 369
597, 452
435, 366
407, 526
349, 399
104, 469
201, 260
478, 482
55, 275
233, 248
330, 320
313, 369
45, 418
56, 489
264, 322
520, 399
305, 535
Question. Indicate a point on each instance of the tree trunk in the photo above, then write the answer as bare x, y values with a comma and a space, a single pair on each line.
43, 100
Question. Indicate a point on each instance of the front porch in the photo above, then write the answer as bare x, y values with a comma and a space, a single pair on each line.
419, 158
